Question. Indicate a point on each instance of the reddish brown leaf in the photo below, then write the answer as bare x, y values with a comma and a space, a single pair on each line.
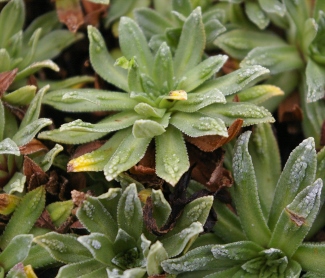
32, 147
19, 113
93, 12
6, 78
45, 221
209, 143
70, 13
230, 65
35, 176
87, 148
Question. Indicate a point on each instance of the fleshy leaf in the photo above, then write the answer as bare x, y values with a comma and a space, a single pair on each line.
175, 244
64, 248
100, 247
161, 209
201, 72
259, 93
133, 44
93, 215
157, 254
147, 110
197, 124
256, 14
238, 42
89, 268
191, 44
311, 256
27, 133
196, 101
315, 76
296, 219
21, 96
265, 155
88, 100
96, 160
8, 146
16, 251
246, 195
298, 173
171, 155
129, 211
128, 153
102, 61
147, 129
235, 81
228, 112
31, 207
36, 67
276, 58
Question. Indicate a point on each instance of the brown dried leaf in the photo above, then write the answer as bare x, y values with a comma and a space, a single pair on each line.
35, 176
289, 109
230, 65
78, 197
322, 134
45, 221
210, 143
93, 12
70, 13
6, 78
19, 113
33, 147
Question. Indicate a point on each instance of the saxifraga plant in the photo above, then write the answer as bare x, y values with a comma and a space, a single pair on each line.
119, 245
165, 96
266, 238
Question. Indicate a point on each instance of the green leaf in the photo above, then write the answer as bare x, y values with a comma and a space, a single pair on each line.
88, 100
161, 208
151, 22
133, 44
5, 64
298, 173
315, 76
38, 257
128, 153
16, 184
102, 61
228, 225
310, 32
235, 81
30, 207
157, 254
16, 251
197, 124
201, 72
182, 6
47, 160
311, 256
64, 248
238, 42
171, 155
147, 129
175, 244
12, 18
66, 83
257, 15
129, 211
147, 110
36, 66
200, 258
34, 109
259, 93
276, 58
52, 44
196, 101
163, 69
296, 219
99, 246
191, 44
229, 112
273, 6
8, 146
246, 195
265, 154
27, 133
96, 218
86, 267
60, 211
21, 96
96, 160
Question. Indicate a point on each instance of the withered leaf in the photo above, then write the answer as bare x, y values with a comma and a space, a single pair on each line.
70, 13
209, 143
35, 176
322, 134
33, 147
6, 79
93, 12
289, 110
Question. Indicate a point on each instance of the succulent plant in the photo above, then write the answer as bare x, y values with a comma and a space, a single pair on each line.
118, 244
16, 240
164, 97
266, 239
300, 51
29, 50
